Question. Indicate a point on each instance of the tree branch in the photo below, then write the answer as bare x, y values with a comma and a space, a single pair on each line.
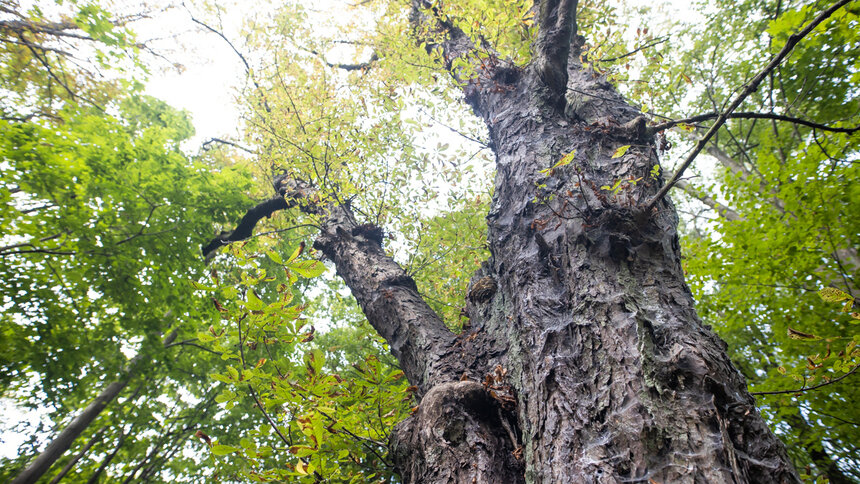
749, 115
389, 297
751, 87
718, 207
241, 57
813, 387
556, 29
347, 67
657, 41
207, 145
245, 228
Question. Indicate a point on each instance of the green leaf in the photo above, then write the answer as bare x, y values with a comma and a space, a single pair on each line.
276, 258
308, 268
253, 302
219, 449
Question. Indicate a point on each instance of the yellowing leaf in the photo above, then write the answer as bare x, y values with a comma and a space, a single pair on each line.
565, 160
276, 258
308, 268
831, 294
795, 334
620, 151
296, 253
254, 303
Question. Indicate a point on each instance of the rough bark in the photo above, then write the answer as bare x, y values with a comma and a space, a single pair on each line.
614, 377
585, 360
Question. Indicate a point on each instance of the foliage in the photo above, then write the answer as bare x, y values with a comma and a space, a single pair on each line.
52, 53
106, 216
792, 193
323, 418
104, 221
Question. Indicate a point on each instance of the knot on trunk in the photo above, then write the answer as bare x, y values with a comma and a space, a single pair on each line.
456, 423
483, 289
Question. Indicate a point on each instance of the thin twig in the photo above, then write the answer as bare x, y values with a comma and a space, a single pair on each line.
238, 53
207, 145
751, 87
806, 388
750, 115
646, 46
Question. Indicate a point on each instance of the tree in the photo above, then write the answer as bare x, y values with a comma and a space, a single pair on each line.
584, 359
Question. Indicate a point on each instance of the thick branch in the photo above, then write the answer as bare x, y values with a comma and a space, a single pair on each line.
246, 226
348, 67
557, 26
389, 297
751, 87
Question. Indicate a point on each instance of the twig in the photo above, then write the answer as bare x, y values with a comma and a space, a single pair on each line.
806, 388
748, 115
207, 145
793, 40
646, 46
241, 57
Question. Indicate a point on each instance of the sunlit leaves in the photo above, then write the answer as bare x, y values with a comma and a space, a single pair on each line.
321, 410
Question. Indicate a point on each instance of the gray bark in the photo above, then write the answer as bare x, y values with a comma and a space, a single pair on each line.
593, 363
585, 361
93, 440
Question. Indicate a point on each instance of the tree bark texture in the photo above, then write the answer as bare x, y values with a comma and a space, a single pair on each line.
588, 362
585, 361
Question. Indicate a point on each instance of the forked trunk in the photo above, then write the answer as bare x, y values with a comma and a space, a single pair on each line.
585, 360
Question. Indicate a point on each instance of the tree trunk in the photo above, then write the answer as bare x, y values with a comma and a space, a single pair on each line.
67, 436
93, 440
64, 440
585, 361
